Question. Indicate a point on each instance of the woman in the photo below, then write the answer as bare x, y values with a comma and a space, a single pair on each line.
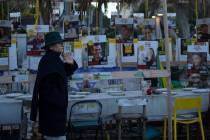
50, 95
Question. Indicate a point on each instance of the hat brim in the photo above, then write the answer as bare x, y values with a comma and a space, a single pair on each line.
53, 42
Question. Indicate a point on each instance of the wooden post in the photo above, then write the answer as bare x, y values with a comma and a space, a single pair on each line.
169, 70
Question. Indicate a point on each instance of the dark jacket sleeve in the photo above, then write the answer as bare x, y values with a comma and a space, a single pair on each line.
52, 90
70, 68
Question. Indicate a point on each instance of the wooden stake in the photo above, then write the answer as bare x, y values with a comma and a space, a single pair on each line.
168, 65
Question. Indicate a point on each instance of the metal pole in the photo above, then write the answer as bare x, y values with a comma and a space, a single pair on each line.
168, 65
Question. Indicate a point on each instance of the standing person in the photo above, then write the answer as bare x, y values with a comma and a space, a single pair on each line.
50, 95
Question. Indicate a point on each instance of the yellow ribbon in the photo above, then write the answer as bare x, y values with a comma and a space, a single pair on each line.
37, 14
196, 9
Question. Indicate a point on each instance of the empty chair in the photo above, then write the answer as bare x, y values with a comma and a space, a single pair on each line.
11, 112
85, 115
184, 104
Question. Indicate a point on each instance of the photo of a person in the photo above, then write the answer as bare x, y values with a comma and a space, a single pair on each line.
203, 33
4, 36
38, 42
71, 30
35, 39
150, 59
148, 33
147, 55
124, 33
96, 54
197, 68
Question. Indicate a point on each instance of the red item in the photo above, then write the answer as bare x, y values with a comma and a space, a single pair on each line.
149, 91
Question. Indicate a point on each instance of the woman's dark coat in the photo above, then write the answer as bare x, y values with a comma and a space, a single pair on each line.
50, 95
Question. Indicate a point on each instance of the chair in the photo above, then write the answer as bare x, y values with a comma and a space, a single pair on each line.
11, 113
184, 104
139, 116
85, 115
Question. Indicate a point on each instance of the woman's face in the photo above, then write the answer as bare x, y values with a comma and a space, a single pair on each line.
196, 60
150, 54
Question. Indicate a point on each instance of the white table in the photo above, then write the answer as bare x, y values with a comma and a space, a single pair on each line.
156, 107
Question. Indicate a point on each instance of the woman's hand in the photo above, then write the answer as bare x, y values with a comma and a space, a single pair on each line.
67, 57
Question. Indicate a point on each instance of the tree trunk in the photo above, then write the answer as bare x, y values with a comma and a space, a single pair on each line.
45, 11
182, 16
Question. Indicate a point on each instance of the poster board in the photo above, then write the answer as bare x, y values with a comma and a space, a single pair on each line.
182, 45
71, 28
35, 39
203, 31
162, 50
35, 42
129, 52
5, 43
197, 69
13, 54
100, 53
147, 54
124, 30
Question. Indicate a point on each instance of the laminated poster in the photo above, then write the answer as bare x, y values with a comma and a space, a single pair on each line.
147, 54
124, 30
71, 28
197, 70
35, 39
145, 29
5, 41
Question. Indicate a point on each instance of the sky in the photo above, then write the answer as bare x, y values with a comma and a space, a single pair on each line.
111, 8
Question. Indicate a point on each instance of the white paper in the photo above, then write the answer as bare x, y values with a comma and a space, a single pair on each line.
13, 57
78, 56
34, 62
4, 61
130, 58
198, 48
21, 78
